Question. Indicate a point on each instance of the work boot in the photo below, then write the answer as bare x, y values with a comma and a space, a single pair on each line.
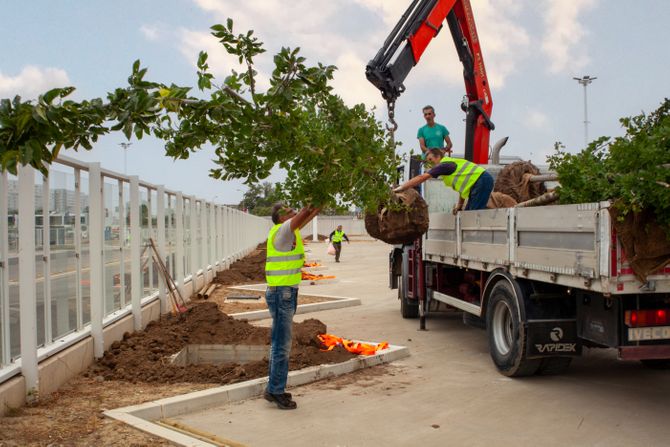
283, 400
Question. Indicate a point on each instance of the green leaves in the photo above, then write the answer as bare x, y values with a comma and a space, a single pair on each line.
332, 155
629, 170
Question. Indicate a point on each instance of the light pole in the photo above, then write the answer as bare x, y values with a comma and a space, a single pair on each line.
125, 147
585, 81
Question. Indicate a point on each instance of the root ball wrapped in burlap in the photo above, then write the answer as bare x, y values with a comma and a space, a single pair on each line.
514, 180
500, 200
401, 226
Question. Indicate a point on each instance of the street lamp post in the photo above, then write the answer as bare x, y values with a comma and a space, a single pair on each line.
585, 81
125, 147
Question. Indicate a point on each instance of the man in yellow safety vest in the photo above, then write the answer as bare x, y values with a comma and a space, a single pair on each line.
285, 258
469, 180
336, 239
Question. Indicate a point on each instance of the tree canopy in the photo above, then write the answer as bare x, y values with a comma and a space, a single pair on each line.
333, 154
633, 170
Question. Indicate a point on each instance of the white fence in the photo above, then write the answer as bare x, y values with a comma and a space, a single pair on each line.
351, 225
74, 256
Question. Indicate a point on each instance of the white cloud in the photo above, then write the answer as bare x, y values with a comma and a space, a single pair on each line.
220, 62
326, 36
33, 81
564, 34
536, 119
151, 32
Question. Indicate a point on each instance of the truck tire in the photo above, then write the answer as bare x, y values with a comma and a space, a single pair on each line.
550, 366
407, 309
506, 334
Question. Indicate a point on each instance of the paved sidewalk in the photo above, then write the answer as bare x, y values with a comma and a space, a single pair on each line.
448, 391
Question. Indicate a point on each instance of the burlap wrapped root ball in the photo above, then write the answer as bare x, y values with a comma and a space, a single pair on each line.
514, 181
402, 226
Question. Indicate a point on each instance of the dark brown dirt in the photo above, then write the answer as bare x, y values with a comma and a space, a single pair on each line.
402, 226
136, 370
248, 270
513, 181
143, 356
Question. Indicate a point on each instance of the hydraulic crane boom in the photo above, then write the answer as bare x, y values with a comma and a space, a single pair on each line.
421, 22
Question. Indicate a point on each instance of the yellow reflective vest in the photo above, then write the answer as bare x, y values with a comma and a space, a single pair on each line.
282, 268
337, 236
465, 175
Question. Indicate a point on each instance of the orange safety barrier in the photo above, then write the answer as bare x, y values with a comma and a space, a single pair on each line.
330, 341
313, 277
312, 264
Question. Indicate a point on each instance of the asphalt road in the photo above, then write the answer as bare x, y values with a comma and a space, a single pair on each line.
448, 391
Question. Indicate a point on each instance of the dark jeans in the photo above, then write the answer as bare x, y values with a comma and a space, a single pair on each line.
338, 250
480, 192
282, 302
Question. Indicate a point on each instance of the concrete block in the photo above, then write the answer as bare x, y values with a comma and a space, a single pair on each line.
58, 369
12, 394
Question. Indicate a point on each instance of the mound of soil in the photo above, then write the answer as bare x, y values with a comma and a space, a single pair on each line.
402, 226
248, 270
143, 356
500, 200
513, 180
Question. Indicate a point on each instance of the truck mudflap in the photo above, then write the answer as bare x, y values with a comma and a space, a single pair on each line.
552, 338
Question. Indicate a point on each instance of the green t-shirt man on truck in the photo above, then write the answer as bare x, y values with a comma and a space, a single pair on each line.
433, 135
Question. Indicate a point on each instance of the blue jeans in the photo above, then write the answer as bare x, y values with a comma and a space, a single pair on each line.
282, 302
480, 192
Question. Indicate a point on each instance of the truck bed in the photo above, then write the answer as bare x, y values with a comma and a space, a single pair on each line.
569, 245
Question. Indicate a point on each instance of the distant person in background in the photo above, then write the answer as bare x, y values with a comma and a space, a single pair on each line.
336, 238
285, 258
433, 135
469, 180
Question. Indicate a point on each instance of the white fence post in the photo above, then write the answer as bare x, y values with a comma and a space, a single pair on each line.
211, 245
46, 262
160, 236
27, 286
5, 346
77, 248
179, 242
136, 279
204, 259
315, 229
95, 233
194, 247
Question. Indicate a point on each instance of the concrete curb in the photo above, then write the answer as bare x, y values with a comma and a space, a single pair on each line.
339, 303
142, 416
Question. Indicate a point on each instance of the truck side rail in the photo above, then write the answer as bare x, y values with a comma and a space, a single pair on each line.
569, 245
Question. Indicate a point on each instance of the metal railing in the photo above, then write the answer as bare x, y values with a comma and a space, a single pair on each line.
73, 256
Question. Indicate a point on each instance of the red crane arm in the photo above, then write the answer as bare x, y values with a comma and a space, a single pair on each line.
421, 22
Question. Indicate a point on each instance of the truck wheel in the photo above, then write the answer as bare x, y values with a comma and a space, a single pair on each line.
507, 337
656, 363
550, 366
407, 309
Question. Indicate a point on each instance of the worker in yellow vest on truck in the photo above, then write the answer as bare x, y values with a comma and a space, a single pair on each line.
285, 258
469, 180
336, 239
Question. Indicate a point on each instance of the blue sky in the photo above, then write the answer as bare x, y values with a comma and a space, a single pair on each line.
532, 50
